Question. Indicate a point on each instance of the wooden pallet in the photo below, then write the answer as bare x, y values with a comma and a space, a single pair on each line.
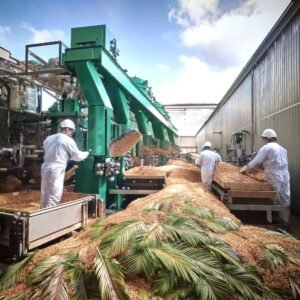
250, 193
246, 186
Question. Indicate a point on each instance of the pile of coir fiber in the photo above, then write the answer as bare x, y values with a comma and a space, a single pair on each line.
183, 189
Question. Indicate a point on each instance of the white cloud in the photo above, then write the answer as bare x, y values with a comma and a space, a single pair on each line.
163, 67
4, 30
196, 82
44, 35
222, 40
226, 38
193, 11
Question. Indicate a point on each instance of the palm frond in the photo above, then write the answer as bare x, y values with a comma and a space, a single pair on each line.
12, 272
153, 232
76, 272
204, 263
295, 286
50, 275
243, 282
224, 252
272, 293
119, 242
213, 225
228, 223
200, 212
98, 229
165, 284
189, 236
110, 278
274, 256
172, 260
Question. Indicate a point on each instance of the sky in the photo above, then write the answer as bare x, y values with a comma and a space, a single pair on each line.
190, 51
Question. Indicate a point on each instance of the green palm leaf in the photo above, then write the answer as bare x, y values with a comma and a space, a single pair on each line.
274, 256
271, 293
200, 212
110, 278
204, 263
295, 286
212, 288
243, 282
49, 274
224, 252
190, 236
119, 242
123, 232
12, 272
228, 223
172, 260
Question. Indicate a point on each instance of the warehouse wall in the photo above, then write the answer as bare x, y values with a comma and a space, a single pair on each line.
272, 88
187, 143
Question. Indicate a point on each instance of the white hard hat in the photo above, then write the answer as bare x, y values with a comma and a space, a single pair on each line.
269, 133
206, 144
67, 123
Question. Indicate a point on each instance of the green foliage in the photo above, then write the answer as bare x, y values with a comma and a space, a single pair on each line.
274, 257
110, 278
295, 285
12, 272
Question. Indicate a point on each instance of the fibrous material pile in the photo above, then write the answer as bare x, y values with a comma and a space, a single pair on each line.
228, 172
124, 143
159, 218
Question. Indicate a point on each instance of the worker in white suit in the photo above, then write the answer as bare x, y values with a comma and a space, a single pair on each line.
207, 161
273, 158
59, 149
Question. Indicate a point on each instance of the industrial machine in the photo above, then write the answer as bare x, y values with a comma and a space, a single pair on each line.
237, 149
92, 89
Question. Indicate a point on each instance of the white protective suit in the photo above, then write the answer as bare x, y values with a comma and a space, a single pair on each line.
273, 158
207, 161
59, 149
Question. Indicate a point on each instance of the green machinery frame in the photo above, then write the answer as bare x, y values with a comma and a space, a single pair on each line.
111, 96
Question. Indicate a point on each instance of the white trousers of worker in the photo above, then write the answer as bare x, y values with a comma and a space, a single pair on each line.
280, 181
207, 176
52, 184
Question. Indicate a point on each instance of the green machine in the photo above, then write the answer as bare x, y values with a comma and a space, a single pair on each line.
115, 103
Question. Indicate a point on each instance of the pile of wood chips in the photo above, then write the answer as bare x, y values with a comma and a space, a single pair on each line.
29, 200
183, 187
228, 172
124, 143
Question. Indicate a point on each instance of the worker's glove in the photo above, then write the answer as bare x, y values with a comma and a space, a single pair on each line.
244, 170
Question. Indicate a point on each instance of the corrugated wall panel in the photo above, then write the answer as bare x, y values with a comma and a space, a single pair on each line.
276, 76
287, 125
276, 94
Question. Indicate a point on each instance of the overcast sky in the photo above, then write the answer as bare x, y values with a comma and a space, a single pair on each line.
190, 51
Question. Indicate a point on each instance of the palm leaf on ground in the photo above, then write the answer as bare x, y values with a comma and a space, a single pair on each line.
228, 223
274, 256
119, 242
50, 277
295, 286
110, 278
243, 283
12, 272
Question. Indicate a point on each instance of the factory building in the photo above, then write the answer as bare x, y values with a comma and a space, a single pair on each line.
266, 94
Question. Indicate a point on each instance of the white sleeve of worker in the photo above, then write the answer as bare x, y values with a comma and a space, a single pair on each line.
218, 157
74, 152
259, 158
